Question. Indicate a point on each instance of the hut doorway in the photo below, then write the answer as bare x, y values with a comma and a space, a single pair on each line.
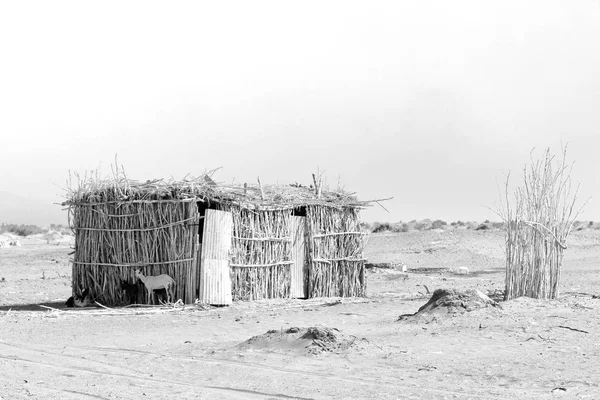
214, 280
299, 283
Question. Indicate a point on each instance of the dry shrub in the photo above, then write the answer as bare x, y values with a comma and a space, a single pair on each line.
538, 223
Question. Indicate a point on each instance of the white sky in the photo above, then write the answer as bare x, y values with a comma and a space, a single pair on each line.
431, 102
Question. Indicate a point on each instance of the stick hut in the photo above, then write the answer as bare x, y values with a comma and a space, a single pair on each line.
220, 243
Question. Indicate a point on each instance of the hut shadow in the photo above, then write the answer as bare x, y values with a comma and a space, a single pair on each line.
35, 306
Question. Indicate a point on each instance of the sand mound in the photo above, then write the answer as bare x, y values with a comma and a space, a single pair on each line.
313, 340
450, 301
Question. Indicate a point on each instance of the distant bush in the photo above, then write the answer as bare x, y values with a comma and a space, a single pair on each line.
21, 230
497, 225
472, 225
382, 227
365, 227
422, 225
403, 227
438, 224
581, 225
62, 229
427, 224
399, 227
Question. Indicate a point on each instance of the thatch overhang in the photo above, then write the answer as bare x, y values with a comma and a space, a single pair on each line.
205, 189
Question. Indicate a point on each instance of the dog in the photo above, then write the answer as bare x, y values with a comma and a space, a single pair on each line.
80, 300
131, 290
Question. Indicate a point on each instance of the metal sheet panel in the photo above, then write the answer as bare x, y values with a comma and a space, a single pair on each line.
298, 269
215, 281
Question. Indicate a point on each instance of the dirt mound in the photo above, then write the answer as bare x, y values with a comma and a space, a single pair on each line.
450, 301
313, 340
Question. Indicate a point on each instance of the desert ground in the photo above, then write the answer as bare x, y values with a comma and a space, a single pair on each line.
520, 349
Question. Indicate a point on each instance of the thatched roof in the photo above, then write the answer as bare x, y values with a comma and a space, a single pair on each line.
92, 189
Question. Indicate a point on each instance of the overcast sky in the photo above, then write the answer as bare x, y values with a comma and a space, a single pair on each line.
431, 102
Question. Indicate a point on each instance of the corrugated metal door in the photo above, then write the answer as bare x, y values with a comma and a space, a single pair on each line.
215, 282
298, 268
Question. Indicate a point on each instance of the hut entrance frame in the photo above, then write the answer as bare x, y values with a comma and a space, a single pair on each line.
249, 254
215, 250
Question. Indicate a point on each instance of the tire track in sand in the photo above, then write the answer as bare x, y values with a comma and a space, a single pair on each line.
377, 382
79, 364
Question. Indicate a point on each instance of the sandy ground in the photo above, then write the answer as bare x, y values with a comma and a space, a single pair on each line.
527, 349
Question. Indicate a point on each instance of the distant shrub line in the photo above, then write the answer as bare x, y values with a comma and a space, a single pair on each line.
427, 224
375, 227
26, 230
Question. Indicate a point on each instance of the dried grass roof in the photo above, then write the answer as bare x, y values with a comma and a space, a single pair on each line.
91, 189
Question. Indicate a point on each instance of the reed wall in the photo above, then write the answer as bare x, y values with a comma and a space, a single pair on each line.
114, 238
335, 252
261, 253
